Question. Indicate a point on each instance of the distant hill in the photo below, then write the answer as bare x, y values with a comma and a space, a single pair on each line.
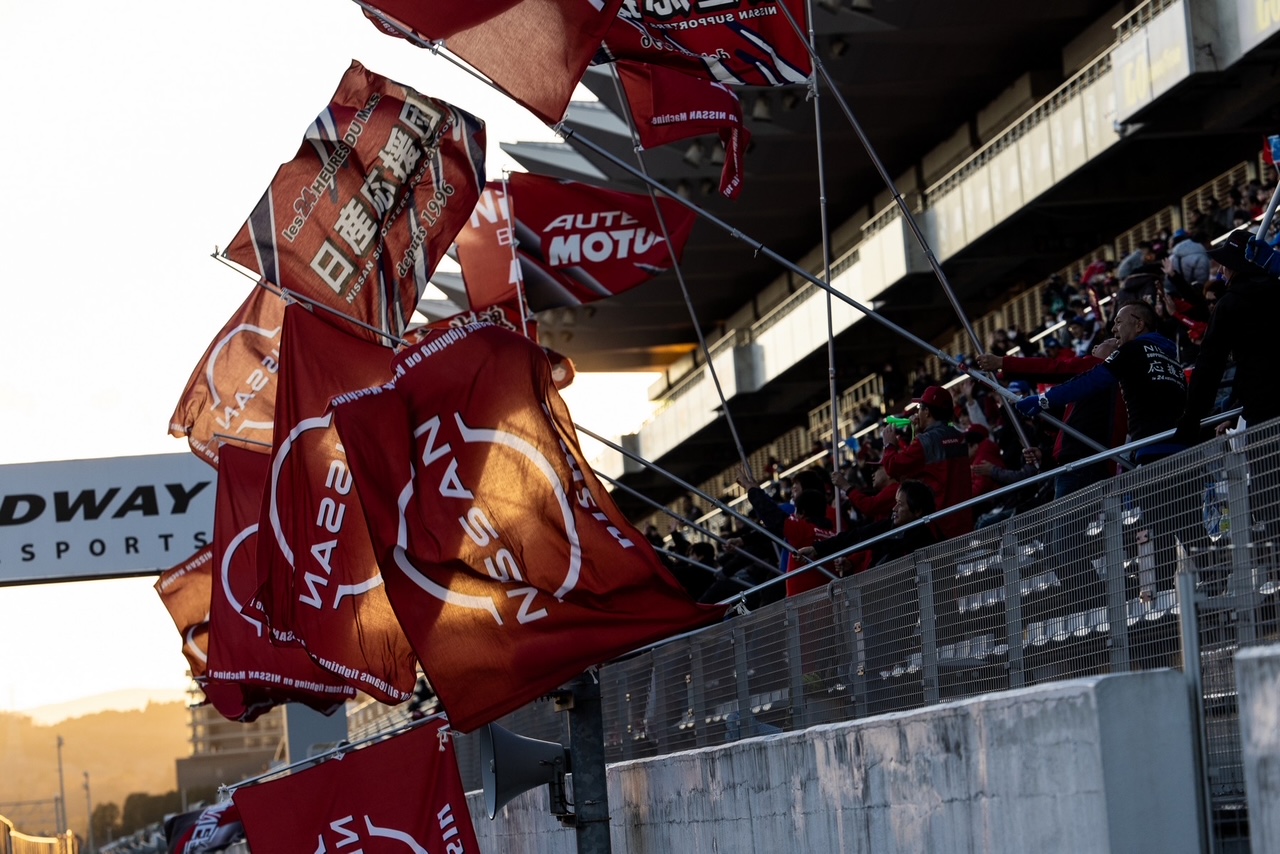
124, 752
135, 699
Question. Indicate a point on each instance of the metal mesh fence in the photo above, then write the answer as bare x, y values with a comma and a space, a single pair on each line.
1080, 586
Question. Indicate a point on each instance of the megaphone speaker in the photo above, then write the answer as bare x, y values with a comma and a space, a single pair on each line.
512, 764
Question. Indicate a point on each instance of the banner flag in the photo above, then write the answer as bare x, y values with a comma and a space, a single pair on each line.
319, 584
668, 106
213, 828
506, 316
186, 590
232, 390
507, 562
745, 44
575, 243
360, 217
534, 50
248, 674
402, 794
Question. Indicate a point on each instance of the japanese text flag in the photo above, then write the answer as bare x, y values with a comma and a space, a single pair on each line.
534, 50
398, 795
319, 583
186, 590
232, 390
360, 217
507, 562
248, 674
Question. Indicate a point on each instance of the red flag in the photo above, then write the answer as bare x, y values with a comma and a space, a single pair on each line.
504, 314
185, 591
748, 44
202, 831
241, 655
232, 390
576, 243
360, 217
405, 789
319, 580
534, 50
669, 106
503, 553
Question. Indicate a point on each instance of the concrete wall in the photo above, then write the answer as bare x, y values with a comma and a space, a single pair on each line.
1258, 683
1098, 765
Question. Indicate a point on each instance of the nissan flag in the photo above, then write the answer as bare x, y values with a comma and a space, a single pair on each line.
507, 316
534, 50
401, 794
232, 390
186, 590
668, 106
575, 243
507, 562
319, 584
248, 674
360, 217
745, 44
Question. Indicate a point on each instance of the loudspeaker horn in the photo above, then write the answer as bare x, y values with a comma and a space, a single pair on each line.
511, 764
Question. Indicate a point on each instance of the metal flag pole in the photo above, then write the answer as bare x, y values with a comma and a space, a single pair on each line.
707, 532
272, 288
690, 487
567, 133
515, 260
826, 262
934, 264
760, 249
675, 266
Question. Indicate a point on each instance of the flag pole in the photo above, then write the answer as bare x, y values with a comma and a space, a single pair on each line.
679, 482
270, 287
515, 262
675, 265
760, 249
567, 132
706, 532
229, 438
812, 86
908, 217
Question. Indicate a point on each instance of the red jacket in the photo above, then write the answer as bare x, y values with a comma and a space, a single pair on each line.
877, 507
988, 452
939, 458
1039, 369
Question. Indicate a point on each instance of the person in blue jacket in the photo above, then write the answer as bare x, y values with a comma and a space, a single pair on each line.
1143, 363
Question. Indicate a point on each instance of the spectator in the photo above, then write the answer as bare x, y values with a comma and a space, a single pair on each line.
1190, 257
872, 504
981, 450
807, 526
937, 456
1240, 325
913, 500
1142, 362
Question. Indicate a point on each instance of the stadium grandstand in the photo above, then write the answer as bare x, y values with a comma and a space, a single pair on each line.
1055, 156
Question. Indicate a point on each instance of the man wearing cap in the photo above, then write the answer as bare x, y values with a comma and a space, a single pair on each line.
938, 457
1141, 362
1101, 417
1242, 324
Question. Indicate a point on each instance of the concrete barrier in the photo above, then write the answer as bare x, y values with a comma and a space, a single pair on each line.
1104, 764
1258, 685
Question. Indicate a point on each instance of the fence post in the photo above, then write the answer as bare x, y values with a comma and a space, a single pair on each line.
1243, 582
795, 665
1117, 605
928, 633
1189, 628
1012, 604
698, 693
847, 600
625, 725
740, 680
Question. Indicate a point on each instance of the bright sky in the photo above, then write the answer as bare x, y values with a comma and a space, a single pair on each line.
139, 136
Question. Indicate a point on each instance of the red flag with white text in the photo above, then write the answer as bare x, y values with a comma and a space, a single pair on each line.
186, 590
534, 50
360, 217
575, 243
669, 106
746, 44
204, 831
401, 794
232, 390
319, 583
501, 550
248, 674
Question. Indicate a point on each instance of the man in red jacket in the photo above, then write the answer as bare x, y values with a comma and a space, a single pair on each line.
938, 457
